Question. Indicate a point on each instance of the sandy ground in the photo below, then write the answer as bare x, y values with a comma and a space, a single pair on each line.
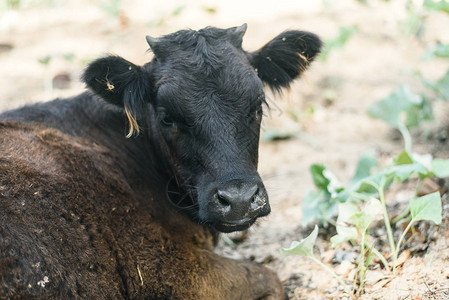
378, 58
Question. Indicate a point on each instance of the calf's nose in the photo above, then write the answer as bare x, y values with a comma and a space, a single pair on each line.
239, 201
233, 196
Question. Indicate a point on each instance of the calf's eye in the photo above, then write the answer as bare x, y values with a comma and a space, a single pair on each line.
168, 122
258, 114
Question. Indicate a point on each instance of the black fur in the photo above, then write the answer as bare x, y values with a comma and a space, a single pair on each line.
285, 57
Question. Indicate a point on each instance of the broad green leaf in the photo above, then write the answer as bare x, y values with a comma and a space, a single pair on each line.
321, 204
403, 172
345, 211
419, 112
339, 239
370, 184
363, 172
349, 213
402, 100
373, 208
390, 108
311, 206
305, 246
344, 233
404, 158
344, 196
427, 207
366, 162
361, 221
318, 205
319, 179
441, 5
334, 185
440, 167
366, 188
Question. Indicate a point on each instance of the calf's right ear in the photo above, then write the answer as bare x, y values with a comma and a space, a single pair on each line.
285, 57
121, 83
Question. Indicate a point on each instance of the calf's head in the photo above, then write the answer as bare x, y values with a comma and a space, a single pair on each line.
200, 101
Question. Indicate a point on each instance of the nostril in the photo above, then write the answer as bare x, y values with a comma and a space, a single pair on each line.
255, 196
222, 198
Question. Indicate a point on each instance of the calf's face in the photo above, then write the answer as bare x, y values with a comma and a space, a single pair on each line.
201, 100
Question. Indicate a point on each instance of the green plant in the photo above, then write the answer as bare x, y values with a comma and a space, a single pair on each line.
364, 200
305, 248
345, 33
427, 207
321, 203
403, 109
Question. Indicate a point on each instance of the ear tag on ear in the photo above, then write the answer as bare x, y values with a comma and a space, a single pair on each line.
110, 86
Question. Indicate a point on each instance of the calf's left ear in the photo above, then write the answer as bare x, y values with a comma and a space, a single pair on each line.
285, 57
121, 83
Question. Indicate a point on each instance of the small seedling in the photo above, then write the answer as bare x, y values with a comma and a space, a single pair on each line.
305, 248
425, 208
